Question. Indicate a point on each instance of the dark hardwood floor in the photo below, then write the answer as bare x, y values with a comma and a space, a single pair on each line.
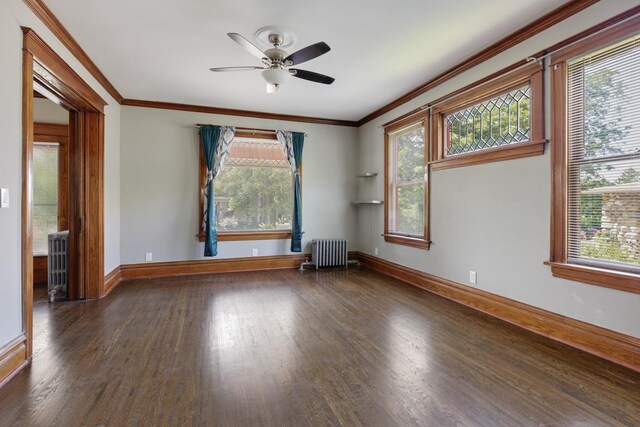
290, 348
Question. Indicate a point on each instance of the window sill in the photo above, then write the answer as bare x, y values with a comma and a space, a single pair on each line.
619, 280
229, 236
509, 152
414, 242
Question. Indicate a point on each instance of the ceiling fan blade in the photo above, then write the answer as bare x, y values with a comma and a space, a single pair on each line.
308, 53
247, 45
313, 77
249, 68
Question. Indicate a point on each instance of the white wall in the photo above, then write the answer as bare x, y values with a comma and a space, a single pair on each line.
13, 15
494, 218
46, 111
160, 191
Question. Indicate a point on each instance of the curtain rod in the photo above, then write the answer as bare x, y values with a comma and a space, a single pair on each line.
252, 130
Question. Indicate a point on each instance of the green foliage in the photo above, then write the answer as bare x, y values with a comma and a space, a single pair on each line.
260, 197
410, 182
629, 175
605, 246
603, 101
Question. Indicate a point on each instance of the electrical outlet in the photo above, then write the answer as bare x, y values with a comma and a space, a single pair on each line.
4, 198
254, 252
148, 256
375, 251
473, 277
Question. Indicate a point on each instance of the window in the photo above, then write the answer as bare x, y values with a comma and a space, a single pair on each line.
45, 194
406, 183
253, 191
499, 120
596, 196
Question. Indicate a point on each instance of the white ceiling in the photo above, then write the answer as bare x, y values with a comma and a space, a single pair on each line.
162, 50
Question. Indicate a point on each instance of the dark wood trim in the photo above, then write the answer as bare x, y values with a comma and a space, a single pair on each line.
232, 236
550, 19
60, 131
414, 242
515, 151
54, 74
397, 124
558, 163
558, 260
607, 344
27, 200
620, 280
40, 270
86, 208
234, 112
531, 75
110, 282
13, 357
209, 266
55, 26
596, 40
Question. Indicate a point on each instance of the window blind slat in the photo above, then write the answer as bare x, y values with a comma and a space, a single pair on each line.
603, 169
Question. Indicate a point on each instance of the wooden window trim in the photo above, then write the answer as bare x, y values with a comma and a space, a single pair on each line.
399, 239
531, 74
559, 263
232, 236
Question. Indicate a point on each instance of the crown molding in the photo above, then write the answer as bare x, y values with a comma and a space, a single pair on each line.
550, 19
233, 112
55, 26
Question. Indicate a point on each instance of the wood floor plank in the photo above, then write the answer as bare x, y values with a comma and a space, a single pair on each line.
290, 348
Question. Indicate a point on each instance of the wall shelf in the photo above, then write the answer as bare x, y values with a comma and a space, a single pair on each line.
368, 202
371, 201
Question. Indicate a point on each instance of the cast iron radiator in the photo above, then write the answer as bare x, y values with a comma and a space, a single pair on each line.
57, 263
329, 252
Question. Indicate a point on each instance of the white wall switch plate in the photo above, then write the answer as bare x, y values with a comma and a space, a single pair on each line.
254, 252
4, 198
375, 251
473, 278
148, 256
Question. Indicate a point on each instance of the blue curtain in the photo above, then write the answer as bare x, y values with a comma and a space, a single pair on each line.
210, 136
296, 226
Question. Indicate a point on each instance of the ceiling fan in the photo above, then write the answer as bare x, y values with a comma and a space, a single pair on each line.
276, 69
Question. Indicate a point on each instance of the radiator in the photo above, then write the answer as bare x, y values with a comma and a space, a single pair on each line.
329, 252
57, 263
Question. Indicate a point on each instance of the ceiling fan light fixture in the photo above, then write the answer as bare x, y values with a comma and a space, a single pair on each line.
275, 77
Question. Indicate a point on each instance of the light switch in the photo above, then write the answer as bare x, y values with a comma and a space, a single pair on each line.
4, 198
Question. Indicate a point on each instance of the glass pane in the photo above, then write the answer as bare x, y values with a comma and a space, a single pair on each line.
45, 195
410, 209
604, 212
254, 198
604, 100
498, 121
410, 154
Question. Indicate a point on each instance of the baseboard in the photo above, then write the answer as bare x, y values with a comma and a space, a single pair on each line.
13, 357
111, 280
613, 346
225, 265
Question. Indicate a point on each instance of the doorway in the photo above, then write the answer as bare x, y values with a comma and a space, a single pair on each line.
46, 73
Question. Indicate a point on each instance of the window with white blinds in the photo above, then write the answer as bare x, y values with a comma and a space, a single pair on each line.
603, 157
45, 194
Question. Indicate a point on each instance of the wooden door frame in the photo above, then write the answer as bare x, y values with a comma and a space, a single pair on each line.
45, 70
